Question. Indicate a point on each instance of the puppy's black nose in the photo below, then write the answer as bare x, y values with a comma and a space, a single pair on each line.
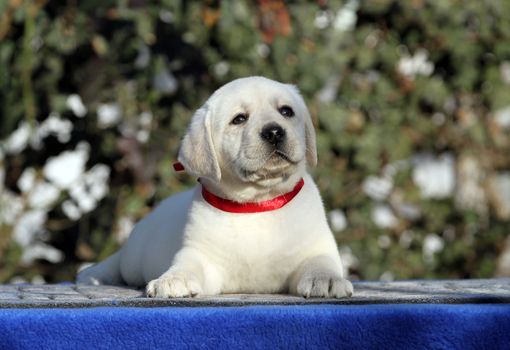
273, 133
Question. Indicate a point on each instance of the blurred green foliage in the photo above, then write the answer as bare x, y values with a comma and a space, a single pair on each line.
386, 82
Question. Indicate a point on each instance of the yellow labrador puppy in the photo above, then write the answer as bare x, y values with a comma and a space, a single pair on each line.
254, 224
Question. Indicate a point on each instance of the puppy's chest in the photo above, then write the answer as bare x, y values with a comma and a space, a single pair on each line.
261, 251
256, 252
253, 261
260, 236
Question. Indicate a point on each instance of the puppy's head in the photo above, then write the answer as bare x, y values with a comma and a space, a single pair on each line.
253, 130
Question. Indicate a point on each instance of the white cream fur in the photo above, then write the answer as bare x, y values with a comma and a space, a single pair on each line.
186, 247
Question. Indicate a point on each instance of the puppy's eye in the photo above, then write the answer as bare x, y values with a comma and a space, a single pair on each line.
240, 119
286, 111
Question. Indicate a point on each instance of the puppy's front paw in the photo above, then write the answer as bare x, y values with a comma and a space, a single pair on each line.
174, 285
324, 285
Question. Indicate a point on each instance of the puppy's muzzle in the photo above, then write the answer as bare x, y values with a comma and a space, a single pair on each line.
273, 134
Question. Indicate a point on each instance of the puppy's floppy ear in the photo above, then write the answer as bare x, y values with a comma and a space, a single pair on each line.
197, 153
311, 144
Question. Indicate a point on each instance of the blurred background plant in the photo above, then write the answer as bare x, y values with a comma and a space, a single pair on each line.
411, 101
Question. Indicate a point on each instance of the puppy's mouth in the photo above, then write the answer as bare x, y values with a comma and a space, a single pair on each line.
278, 160
278, 164
282, 155
263, 174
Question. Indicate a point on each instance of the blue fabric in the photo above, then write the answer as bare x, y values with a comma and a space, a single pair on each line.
429, 326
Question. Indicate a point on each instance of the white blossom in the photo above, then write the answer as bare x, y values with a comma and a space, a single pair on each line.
18, 140
189, 37
383, 216
108, 114
377, 188
435, 176
338, 220
322, 19
40, 250
221, 68
75, 104
53, 125
432, 244
27, 180
502, 117
346, 17
29, 226
26, 134
165, 81
67, 172
143, 136
124, 227
65, 169
71, 210
87, 191
145, 119
166, 16
96, 180
85, 201
11, 207
43, 195
411, 66
263, 50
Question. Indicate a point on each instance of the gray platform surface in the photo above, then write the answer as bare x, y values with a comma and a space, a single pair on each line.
412, 292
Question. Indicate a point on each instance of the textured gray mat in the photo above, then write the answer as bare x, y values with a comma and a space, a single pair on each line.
412, 292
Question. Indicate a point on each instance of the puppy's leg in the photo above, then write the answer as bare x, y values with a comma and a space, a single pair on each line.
320, 276
187, 277
105, 272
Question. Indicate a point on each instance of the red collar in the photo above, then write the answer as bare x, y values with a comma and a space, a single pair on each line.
253, 207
